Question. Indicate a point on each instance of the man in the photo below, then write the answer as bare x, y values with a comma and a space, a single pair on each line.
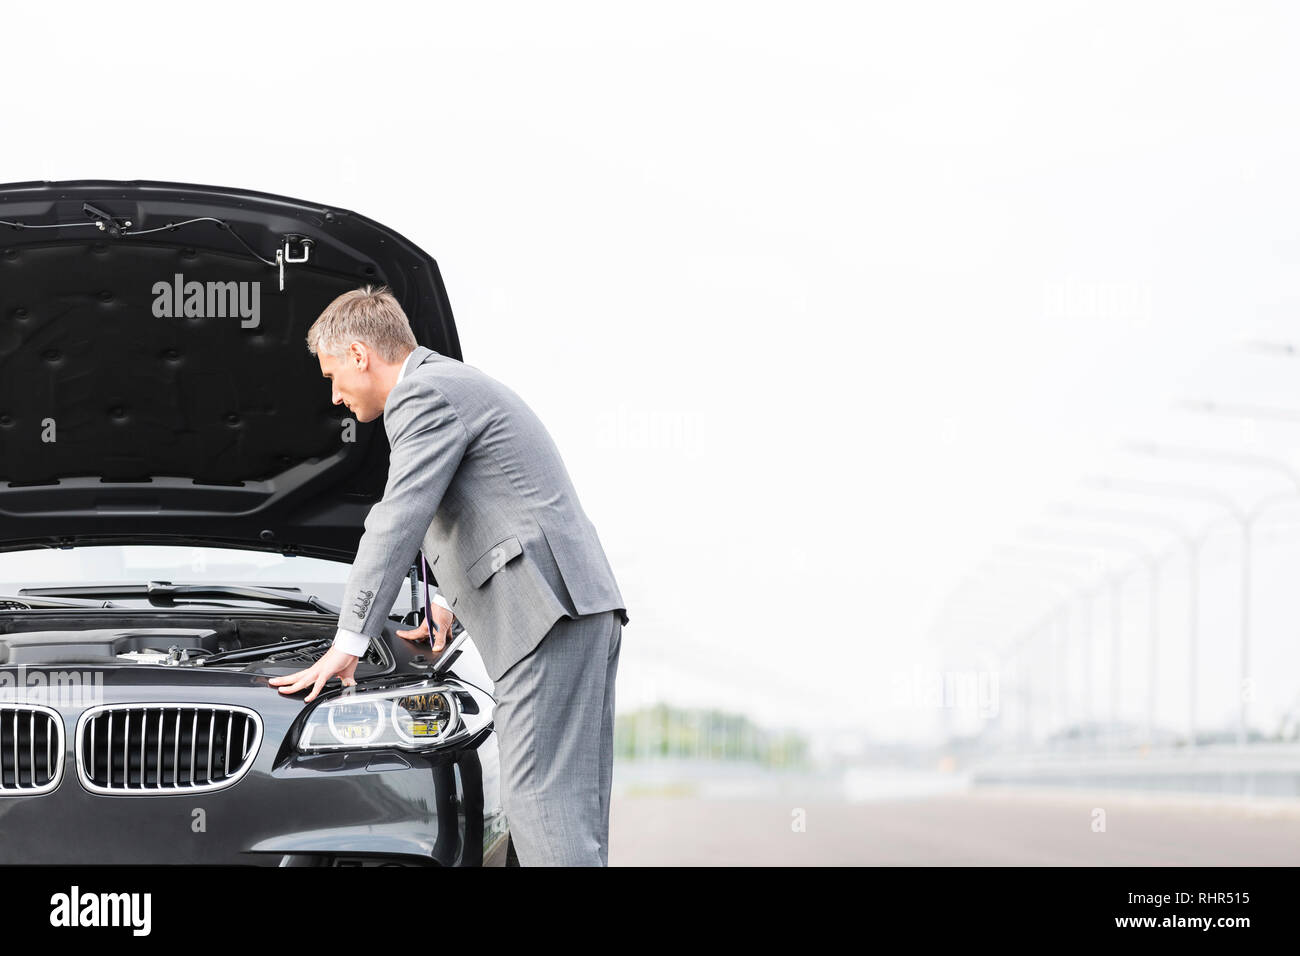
474, 479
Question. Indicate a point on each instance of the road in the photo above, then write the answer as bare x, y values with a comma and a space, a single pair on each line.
1000, 827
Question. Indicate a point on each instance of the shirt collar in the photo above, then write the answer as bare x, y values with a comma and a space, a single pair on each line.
405, 365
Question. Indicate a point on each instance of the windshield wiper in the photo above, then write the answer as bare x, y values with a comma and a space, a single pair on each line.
51, 602
260, 651
165, 594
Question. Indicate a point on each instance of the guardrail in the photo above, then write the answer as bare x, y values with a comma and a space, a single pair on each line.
1271, 770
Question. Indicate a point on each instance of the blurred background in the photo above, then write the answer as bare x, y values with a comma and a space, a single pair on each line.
931, 372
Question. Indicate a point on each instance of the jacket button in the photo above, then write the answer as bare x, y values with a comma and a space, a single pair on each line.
454, 600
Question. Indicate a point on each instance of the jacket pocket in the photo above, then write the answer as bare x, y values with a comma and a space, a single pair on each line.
494, 560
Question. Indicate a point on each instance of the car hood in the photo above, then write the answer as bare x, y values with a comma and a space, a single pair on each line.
155, 385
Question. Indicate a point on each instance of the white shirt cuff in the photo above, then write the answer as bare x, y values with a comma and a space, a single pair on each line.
350, 642
441, 601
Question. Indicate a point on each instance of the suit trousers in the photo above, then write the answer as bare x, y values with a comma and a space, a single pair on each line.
555, 730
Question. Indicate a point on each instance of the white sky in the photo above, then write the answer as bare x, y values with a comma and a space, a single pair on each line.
821, 302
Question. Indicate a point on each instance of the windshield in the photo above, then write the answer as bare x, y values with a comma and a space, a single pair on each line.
140, 564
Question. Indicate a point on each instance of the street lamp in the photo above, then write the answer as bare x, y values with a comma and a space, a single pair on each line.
1034, 557
1242, 411
1152, 562
1247, 520
1010, 594
1191, 544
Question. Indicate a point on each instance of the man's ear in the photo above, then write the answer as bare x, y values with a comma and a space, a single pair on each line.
359, 355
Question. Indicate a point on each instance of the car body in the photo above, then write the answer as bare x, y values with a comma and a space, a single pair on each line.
179, 502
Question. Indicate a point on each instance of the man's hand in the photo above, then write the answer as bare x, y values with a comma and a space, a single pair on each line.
442, 619
335, 663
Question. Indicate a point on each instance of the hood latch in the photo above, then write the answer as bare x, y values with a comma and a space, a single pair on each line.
295, 251
105, 221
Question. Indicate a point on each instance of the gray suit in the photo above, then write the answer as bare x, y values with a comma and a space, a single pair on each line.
475, 480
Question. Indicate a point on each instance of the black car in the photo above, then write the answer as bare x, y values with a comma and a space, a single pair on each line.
179, 506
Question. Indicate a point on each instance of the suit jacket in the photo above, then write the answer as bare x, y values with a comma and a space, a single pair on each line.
476, 481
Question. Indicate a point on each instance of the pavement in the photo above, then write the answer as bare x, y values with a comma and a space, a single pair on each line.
994, 826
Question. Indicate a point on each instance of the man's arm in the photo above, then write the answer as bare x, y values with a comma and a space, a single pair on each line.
350, 642
427, 442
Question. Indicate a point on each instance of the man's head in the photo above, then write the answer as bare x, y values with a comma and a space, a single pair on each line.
361, 339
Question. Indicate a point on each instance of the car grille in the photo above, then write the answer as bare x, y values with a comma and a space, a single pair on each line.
153, 748
31, 749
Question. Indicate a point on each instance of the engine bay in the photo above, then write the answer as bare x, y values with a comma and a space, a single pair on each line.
47, 637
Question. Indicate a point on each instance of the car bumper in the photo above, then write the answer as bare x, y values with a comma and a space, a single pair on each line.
441, 807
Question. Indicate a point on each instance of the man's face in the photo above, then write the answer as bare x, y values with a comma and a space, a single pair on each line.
354, 382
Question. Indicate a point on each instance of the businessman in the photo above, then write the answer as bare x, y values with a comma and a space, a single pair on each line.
475, 480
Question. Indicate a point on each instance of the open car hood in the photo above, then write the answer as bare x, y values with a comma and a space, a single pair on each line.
155, 383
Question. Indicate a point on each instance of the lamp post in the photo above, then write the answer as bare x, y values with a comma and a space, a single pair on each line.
1017, 652
1005, 594
1061, 623
1152, 561
1164, 491
1040, 553
1247, 521
1192, 544
1242, 410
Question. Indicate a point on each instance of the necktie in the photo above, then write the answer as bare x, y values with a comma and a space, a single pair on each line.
428, 608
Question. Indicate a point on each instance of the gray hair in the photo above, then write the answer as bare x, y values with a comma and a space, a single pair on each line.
371, 315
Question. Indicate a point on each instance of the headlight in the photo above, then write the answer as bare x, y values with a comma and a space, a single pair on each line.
415, 717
